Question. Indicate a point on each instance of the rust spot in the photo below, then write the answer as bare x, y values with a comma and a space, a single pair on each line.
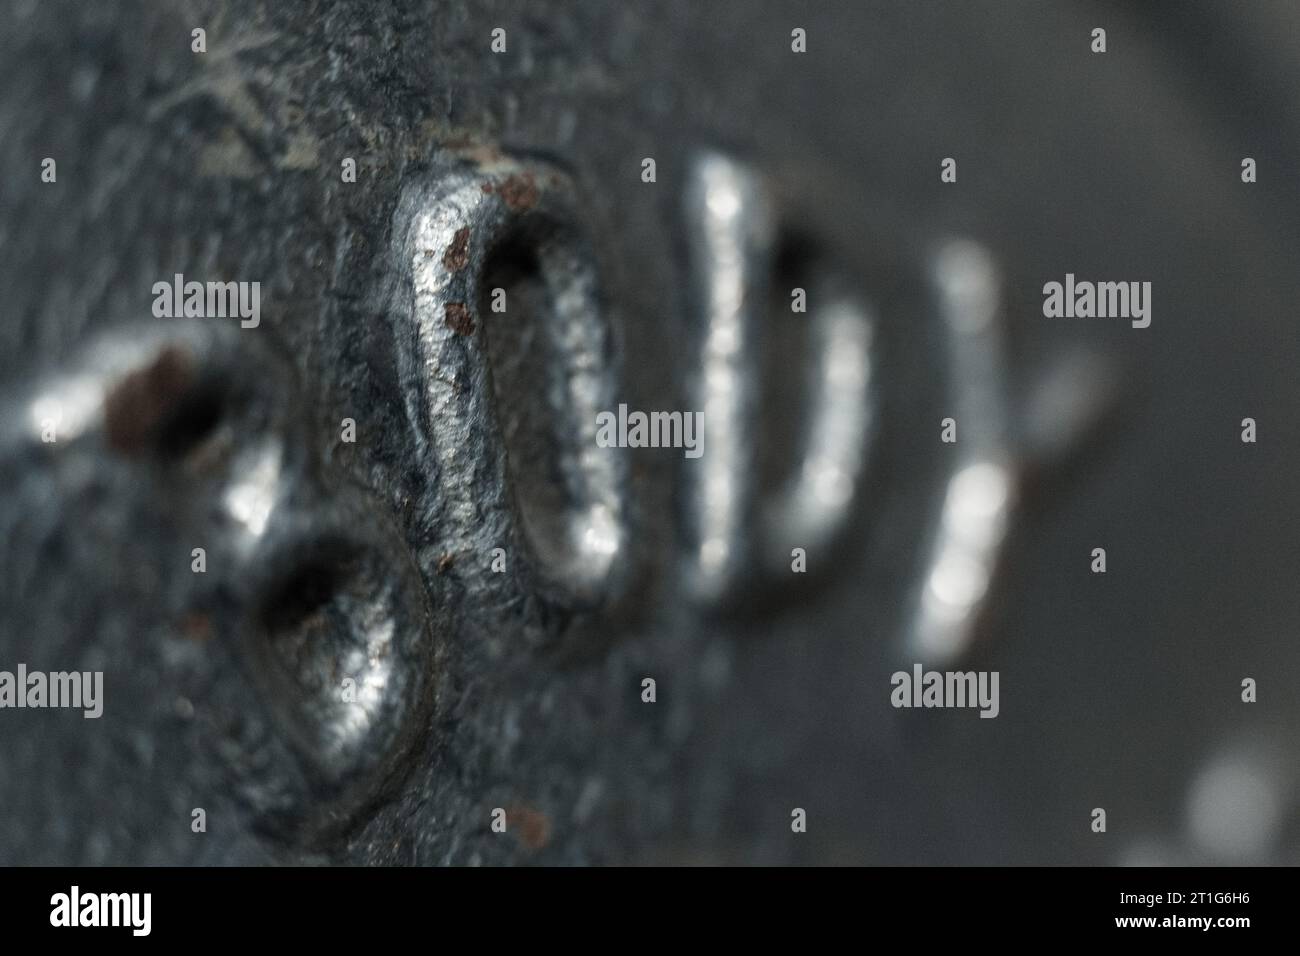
445, 562
519, 191
196, 627
457, 255
138, 405
458, 319
531, 826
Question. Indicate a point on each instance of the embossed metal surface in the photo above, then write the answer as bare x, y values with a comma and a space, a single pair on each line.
515, 681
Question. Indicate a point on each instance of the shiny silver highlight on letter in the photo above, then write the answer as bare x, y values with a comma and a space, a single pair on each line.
449, 224
981, 490
732, 238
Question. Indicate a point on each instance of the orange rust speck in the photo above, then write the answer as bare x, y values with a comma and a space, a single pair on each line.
196, 627
519, 191
457, 255
138, 404
532, 827
458, 319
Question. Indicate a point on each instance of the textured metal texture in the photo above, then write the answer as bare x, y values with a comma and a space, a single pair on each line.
372, 560
459, 225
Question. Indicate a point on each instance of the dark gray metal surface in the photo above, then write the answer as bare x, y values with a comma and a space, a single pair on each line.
1119, 691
